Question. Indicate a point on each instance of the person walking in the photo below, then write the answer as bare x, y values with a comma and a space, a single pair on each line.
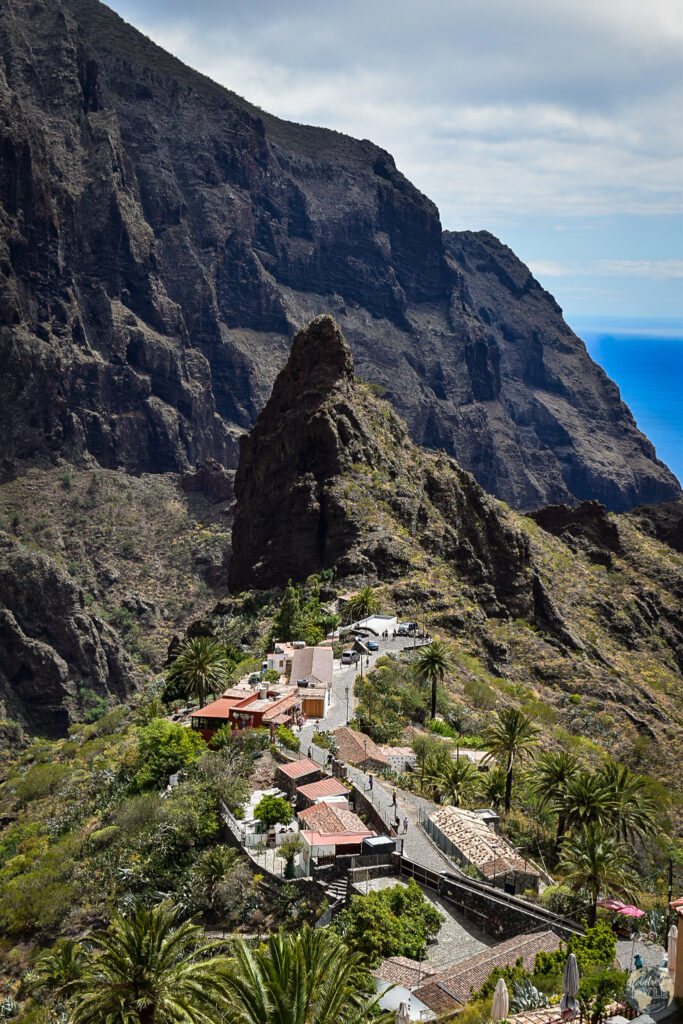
405, 824
370, 782
393, 797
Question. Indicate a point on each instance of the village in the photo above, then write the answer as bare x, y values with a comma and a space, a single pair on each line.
351, 831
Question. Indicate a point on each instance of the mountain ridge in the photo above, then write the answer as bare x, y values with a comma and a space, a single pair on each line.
163, 239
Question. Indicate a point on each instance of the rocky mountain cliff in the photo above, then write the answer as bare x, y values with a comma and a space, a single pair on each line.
161, 240
575, 613
51, 643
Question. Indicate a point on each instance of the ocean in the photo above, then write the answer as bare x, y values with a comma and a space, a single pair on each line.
644, 357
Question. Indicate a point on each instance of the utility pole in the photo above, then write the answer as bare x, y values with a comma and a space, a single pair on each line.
671, 891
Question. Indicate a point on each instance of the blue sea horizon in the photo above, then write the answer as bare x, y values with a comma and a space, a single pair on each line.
644, 357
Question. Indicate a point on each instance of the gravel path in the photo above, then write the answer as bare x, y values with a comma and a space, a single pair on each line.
650, 952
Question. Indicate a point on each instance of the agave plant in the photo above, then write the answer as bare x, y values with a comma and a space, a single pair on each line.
525, 996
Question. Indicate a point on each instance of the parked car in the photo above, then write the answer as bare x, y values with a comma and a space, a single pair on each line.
372, 645
349, 657
401, 631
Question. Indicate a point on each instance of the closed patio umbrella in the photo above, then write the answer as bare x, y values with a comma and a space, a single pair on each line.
569, 1004
403, 1014
501, 1001
672, 948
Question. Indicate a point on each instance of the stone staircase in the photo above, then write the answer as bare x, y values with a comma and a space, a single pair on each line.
336, 890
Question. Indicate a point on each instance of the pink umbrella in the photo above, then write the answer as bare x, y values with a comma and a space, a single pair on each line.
631, 912
611, 904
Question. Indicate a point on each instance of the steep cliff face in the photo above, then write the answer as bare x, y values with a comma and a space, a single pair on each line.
161, 240
51, 645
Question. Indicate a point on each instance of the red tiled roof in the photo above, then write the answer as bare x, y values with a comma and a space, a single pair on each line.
297, 769
279, 706
325, 787
335, 839
450, 989
330, 818
218, 708
399, 970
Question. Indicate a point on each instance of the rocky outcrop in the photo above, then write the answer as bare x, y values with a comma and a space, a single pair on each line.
665, 522
329, 478
51, 645
587, 526
161, 240
210, 479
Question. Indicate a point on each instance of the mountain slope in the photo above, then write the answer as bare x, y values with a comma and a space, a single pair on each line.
161, 240
573, 614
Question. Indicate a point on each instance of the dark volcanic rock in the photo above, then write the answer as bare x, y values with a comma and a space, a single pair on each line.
588, 524
210, 479
161, 240
50, 643
665, 522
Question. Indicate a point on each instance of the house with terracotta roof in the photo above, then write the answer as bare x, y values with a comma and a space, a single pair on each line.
356, 748
450, 989
322, 848
466, 836
292, 774
246, 708
327, 817
328, 788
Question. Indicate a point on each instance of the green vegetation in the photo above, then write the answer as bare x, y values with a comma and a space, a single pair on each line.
305, 978
286, 738
510, 738
431, 665
299, 619
273, 810
362, 605
398, 921
202, 666
165, 748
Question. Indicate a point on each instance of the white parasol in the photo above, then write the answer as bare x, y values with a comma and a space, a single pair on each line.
501, 1001
403, 1014
672, 948
569, 1005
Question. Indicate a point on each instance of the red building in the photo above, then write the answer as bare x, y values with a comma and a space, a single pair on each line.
244, 710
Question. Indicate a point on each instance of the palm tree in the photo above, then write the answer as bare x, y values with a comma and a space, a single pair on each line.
213, 867
457, 782
431, 665
201, 667
57, 970
634, 811
493, 786
150, 968
363, 604
586, 800
513, 736
593, 859
307, 977
548, 779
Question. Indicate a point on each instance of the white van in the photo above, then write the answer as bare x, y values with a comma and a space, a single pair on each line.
349, 657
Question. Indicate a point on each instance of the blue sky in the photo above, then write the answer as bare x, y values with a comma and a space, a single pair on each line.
557, 126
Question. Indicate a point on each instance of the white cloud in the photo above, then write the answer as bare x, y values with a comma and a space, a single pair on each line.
657, 269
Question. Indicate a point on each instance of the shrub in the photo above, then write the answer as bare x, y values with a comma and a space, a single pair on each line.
42, 780
391, 922
480, 694
287, 738
272, 810
104, 836
164, 748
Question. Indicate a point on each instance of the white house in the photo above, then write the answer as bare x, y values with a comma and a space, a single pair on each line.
401, 759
